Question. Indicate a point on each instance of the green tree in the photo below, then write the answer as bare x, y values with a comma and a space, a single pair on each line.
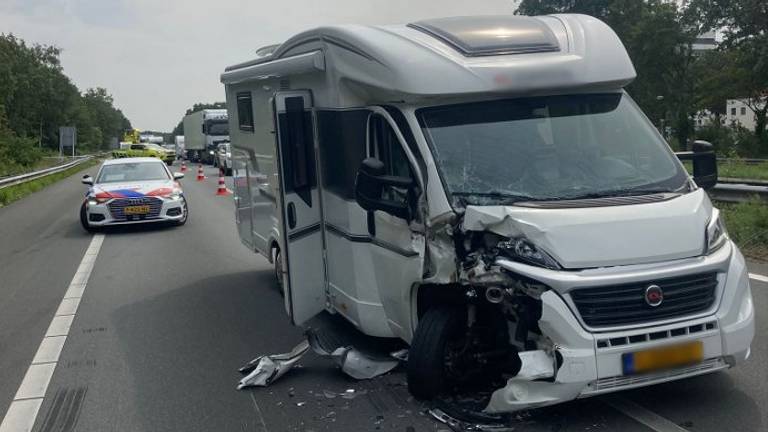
659, 44
744, 24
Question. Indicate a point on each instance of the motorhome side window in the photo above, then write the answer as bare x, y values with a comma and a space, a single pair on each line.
245, 111
384, 145
296, 130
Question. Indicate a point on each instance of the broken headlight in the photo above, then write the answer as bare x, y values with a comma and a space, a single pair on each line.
716, 235
521, 249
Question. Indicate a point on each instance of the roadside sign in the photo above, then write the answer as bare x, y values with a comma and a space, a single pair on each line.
67, 139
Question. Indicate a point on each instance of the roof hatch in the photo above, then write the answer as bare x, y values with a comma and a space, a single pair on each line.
491, 34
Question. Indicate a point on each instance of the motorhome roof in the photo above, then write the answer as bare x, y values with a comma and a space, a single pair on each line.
460, 55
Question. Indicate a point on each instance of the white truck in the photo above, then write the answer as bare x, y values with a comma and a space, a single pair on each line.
204, 130
179, 143
484, 189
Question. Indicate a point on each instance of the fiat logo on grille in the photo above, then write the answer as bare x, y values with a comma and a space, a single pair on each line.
654, 295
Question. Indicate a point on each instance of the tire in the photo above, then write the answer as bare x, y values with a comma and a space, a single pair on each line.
228, 172
84, 220
185, 210
426, 371
276, 262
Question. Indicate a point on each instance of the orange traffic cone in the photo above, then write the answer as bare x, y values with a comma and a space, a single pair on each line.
183, 166
200, 174
222, 189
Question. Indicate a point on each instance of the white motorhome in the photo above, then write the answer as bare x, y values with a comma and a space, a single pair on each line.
484, 189
204, 130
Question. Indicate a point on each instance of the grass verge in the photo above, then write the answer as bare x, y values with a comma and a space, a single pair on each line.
747, 224
737, 169
16, 192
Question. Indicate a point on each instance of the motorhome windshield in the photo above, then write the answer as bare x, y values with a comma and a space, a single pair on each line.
218, 127
549, 148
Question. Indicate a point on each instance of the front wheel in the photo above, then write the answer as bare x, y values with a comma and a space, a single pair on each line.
184, 212
278, 266
84, 220
439, 333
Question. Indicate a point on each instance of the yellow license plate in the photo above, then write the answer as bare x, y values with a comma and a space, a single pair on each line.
136, 210
662, 358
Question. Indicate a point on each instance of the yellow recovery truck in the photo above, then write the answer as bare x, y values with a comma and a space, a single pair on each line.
132, 146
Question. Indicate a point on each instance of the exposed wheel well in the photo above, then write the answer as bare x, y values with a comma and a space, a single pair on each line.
428, 296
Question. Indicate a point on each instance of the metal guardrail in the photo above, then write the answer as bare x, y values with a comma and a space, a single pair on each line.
21, 178
738, 192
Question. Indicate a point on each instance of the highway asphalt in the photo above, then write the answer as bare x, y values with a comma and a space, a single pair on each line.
170, 313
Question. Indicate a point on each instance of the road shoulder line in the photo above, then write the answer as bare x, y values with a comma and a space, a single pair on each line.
26, 404
642, 415
758, 277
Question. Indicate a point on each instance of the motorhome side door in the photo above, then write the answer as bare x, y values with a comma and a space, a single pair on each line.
301, 217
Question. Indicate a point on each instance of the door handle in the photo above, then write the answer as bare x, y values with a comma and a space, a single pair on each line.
291, 215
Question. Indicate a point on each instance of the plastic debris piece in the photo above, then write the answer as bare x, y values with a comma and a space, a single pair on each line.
352, 361
359, 366
459, 425
300, 404
535, 365
401, 355
264, 370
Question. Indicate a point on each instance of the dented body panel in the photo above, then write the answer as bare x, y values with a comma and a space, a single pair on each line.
604, 236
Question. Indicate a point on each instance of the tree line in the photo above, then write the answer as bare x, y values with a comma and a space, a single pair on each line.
36, 98
675, 82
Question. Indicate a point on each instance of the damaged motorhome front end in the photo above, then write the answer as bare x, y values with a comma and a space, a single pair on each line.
484, 189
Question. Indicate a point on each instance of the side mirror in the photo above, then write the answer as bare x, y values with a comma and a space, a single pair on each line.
369, 188
87, 180
704, 163
178, 176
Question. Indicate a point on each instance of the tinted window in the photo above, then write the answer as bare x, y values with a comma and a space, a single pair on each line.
342, 148
297, 149
129, 172
245, 111
217, 127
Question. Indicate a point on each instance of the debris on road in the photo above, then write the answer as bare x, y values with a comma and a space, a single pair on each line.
264, 370
459, 425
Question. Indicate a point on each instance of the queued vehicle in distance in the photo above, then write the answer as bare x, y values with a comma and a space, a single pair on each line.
498, 201
204, 130
223, 158
131, 150
131, 191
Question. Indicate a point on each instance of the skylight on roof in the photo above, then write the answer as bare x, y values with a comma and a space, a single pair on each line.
491, 35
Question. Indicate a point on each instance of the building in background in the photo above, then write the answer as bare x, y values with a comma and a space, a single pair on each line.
737, 112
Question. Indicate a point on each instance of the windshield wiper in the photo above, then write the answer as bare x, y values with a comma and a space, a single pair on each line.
508, 197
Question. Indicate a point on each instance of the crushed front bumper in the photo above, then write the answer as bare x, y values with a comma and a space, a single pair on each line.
583, 364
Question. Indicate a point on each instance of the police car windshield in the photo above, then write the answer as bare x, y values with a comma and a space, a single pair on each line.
133, 172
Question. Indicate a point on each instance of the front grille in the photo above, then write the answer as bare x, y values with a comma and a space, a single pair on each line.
117, 206
625, 304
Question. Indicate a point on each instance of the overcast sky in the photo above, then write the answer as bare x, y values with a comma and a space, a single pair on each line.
158, 57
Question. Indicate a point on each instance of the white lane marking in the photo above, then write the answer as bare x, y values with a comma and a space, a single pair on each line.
643, 415
758, 277
50, 349
26, 404
35, 382
21, 415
